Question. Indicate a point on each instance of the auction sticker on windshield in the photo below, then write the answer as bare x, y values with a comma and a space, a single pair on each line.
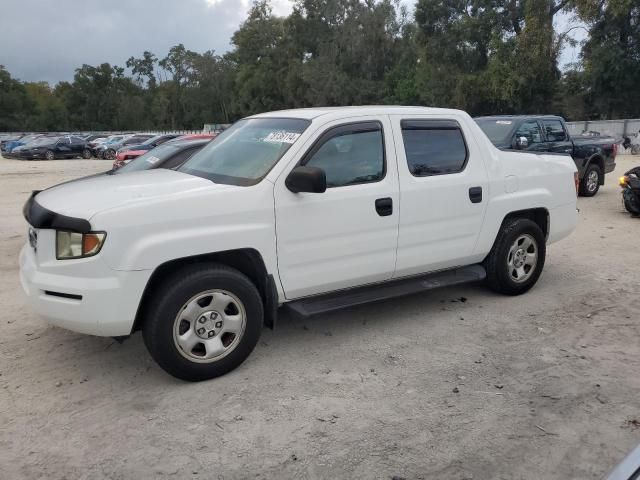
152, 159
281, 137
503, 122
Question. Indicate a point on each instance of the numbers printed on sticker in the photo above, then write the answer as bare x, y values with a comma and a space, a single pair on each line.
281, 137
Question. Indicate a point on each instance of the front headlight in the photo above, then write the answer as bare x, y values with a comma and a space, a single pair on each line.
78, 245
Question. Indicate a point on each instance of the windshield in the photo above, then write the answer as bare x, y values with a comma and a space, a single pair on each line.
150, 159
497, 130
245, 153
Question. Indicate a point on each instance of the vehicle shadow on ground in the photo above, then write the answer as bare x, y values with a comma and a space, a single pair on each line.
128, 361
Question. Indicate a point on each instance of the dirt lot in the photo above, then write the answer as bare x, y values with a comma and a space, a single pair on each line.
457, 384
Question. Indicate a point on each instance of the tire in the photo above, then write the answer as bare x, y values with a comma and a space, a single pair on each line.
49, 155
630, 201
503, 264
167, 321
635, 149
110, 154
86, 154
590, 183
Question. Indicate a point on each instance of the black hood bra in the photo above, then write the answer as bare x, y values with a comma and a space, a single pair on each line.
39, 217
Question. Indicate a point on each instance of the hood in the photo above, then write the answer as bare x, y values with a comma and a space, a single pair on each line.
86, 197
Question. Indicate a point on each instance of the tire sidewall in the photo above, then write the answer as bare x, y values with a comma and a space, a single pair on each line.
584, 191
159, 326
511, 233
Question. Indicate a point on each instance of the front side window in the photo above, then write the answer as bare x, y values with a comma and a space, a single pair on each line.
433, 147
554, 130
244, 153
350, 154
531, 131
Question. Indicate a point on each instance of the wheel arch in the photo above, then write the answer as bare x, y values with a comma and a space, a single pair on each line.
248, 261
539, 215
597, 159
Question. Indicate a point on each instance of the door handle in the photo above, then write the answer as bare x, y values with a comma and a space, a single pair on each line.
384, 206
475, 194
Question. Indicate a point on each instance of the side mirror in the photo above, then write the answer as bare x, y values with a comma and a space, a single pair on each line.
522, 143
307, 179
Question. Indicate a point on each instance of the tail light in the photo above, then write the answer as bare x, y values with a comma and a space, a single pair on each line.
576, 180
615, 149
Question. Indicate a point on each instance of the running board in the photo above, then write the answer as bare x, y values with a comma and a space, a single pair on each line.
315, 305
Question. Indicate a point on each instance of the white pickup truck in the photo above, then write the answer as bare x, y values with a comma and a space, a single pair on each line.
312, 209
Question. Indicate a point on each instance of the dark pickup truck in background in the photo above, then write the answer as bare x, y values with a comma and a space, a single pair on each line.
594, 156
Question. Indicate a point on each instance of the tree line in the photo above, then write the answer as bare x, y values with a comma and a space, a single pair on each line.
483, 56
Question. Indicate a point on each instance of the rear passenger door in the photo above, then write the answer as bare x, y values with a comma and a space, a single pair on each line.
443, 191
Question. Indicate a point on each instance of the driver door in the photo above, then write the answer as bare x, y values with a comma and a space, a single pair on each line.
348, 235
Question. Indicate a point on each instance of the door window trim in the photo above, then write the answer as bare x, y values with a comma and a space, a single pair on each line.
362, 126
433, 124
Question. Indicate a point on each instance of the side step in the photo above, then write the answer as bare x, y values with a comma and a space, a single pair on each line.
309, 306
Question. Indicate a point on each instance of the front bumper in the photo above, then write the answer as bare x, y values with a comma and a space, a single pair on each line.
84, 295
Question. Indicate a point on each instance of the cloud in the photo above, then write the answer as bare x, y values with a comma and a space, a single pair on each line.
45, 40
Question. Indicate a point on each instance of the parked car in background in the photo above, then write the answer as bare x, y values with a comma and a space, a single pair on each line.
108, 150
129, 152
49, 148
311, 209
96, 145
9, 138
11, 145
594, 156
168, 155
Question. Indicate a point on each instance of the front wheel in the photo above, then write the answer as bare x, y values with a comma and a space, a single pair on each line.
203, 322
49, 155
110, 154
86, 154
630, 201
591, 181
517, 257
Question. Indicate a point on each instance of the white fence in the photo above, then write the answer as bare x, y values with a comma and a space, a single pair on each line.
615, 128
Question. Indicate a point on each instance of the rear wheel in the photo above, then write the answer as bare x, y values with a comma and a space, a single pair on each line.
517, 257
203, 322
49, 155
591, 181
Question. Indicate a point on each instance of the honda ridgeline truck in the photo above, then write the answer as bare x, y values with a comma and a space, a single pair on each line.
313, 210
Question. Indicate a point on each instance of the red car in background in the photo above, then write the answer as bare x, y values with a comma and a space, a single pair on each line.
123, 157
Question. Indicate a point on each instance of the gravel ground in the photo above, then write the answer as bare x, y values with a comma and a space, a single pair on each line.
458, 383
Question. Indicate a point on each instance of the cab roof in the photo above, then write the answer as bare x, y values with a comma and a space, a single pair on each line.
339, 112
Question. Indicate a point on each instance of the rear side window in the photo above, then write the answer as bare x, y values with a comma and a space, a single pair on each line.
554, 130
434, 147
350, 154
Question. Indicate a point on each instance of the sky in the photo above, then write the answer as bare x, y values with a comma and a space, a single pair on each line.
46, 40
